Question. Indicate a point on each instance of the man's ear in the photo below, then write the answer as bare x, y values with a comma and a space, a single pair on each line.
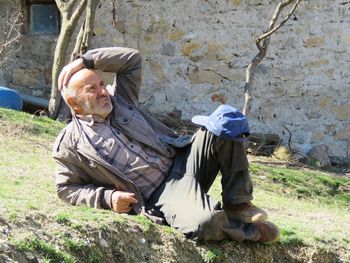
72, 102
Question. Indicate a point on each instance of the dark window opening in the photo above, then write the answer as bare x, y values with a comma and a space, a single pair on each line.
43, 17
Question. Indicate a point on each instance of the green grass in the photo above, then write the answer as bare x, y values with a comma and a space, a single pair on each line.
213, 255
47, 251
30, 124
303, 183
309, 206
146, 223
73, 245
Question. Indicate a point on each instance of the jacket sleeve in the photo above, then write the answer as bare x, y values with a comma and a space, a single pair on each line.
125, 62
73, 186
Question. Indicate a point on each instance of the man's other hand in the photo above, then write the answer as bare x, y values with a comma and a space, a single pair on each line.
68, 71
122, 201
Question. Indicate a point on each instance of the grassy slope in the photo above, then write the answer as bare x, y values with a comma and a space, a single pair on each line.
311, 207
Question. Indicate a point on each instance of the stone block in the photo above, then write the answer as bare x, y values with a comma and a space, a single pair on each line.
317, 136
133, 29
168, 49
290, 74
255, 2
25, 77
324, 102
188, 48
235, 2
342, 112
337, 148
277, 92
148, 39
204, 76
330, 73
214, 50
343, 134
318, 156
157, 25
313, 114
118, 41
176, 35
317, 63
314, 42
347, 40
100, 31
157, 70
219, 97
236, 76
214, 47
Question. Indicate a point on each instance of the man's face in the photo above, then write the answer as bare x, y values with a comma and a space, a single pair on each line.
91, 96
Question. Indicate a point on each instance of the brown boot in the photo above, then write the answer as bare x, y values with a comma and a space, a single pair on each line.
269, 232
245, 212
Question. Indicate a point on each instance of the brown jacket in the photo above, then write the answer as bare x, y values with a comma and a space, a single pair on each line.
82, 176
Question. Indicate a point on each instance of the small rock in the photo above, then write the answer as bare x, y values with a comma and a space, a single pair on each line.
103, 243
318, 156
142, 240
29, 255
3, 246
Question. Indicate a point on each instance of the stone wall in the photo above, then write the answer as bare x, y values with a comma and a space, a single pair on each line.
30, 70
196, 52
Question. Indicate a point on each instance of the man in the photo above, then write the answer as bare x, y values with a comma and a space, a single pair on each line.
113, 155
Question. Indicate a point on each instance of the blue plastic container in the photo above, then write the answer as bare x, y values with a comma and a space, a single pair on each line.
10, 99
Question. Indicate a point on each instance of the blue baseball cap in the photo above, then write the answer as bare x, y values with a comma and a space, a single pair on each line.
226, 122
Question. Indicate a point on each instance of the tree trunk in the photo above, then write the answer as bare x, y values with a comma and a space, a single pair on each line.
69, 22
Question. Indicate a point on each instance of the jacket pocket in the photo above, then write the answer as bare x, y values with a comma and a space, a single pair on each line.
124, 115
131, 121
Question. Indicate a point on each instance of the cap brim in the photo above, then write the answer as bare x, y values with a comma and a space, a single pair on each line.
200, 120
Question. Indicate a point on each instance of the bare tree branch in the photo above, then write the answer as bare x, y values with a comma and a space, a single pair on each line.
10, 36
77, 13
265, 38
78, 42
69, 6
290, 137
273, 30
84, 37
61, 6
114, 22
89, 24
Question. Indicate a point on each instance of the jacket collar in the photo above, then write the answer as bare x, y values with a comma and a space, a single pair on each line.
91, 119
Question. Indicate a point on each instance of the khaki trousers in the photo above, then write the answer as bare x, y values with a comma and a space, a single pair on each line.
182, 198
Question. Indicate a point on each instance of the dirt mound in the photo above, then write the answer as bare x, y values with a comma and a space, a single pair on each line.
37, 238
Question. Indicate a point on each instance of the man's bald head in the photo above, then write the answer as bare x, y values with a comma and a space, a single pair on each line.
76, 81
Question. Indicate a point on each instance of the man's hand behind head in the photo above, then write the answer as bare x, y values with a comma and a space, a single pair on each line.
68, 71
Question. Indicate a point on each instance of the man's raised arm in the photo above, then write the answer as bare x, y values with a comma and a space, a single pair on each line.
125, 62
